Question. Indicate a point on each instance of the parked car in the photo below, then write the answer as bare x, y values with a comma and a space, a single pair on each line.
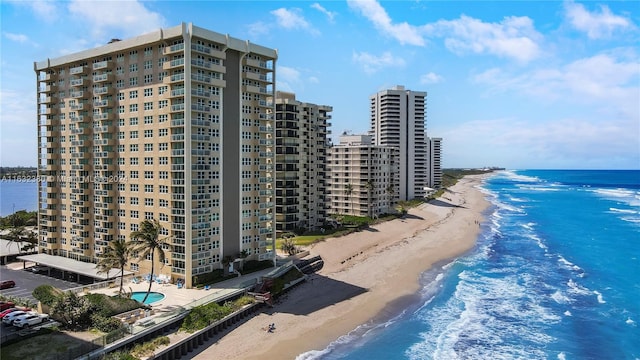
39, 268
8, 311
4, 305
9, 318
25, 321
7, 284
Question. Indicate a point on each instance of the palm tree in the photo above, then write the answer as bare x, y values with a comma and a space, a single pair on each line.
19, 235
348, 190
390, 192
369, 186
147, 240
116, 255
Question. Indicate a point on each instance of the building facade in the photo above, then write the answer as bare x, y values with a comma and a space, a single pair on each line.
398, 119
435, 165
301, 156
363, 177
172, 125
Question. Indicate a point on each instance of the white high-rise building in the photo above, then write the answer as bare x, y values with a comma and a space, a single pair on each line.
398, 119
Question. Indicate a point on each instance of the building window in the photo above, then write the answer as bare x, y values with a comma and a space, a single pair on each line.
133, 134
133, 121
148, 92
133, 94
133, 107
148, 147
148, 133
148, 161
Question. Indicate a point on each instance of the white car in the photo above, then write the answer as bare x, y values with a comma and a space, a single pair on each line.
30, 319
8, 319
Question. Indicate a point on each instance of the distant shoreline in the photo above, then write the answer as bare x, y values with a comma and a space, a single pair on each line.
366, 276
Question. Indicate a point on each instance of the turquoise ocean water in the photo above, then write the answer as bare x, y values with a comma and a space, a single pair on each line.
555, 275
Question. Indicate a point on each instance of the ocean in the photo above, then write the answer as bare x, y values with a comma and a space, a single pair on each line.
18, 195
555, 274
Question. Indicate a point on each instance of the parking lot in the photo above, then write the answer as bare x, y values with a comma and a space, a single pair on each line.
26, 280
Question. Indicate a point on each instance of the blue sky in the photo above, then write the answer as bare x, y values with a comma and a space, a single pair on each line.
519, 84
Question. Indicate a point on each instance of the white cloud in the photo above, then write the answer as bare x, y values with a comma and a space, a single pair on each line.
288, 78
292, 20
608, 80
258, 28
330, 15
115, 19
513, 37
372, 63
596, 24
403, 32
18, 129
431, 78
21, 38
46, 10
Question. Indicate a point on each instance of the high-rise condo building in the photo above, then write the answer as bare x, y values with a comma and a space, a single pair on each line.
398, 120
362, 177
301, 156
173, 125
435, 168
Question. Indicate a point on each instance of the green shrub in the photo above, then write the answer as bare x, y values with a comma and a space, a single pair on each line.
107, 306
105, 324
47, 294
201, 316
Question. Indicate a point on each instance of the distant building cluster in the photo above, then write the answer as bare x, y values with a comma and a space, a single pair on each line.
191, 121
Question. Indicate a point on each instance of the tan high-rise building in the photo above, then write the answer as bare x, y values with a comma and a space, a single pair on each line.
363, 177
172, 125
301, 156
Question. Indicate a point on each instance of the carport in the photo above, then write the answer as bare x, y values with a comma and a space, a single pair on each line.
70, 266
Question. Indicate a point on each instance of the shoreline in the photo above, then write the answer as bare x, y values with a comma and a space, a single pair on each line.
367, 277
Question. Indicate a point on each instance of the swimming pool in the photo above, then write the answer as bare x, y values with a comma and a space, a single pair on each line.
153, 296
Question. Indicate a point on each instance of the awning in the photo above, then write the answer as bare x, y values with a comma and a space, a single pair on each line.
74, 266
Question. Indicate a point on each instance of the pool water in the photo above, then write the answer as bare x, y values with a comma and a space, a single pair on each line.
153, 296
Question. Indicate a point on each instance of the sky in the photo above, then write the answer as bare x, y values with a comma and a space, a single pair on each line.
516, 84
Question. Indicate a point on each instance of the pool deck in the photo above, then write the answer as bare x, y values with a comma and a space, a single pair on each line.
182, 298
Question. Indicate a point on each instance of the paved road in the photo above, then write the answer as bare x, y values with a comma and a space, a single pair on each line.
26, 281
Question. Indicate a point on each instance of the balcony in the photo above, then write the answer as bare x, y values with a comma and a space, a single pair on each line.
49, 111
102, 103
175, 78
103, 77
177, 123
256, 89
174, 49
258, 77
47, 100
177, 108
104, 90
46, 89
103, 142
260, 64
77, 107
200, 93
201, 78
200, 107
103, 116
101, 65
78, 70
78, 94
102, 129
177, 93
168, 65
79, 130
78, 118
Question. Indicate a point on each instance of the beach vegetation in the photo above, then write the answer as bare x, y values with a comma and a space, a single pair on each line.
47, 294
147, 242
18, 219
204, 315
116, 255
147, 348
288, 246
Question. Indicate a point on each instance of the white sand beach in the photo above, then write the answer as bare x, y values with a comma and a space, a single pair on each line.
363, 274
